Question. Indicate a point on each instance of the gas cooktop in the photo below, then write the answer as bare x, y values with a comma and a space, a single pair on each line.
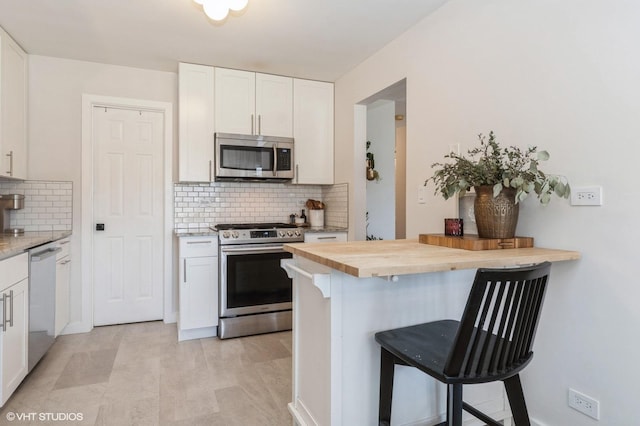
258, 233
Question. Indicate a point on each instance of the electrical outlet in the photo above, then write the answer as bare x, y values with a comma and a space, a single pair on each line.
586, 196
585, 404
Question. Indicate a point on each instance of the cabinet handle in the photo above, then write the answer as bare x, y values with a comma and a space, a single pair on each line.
252, 125
210, 171
259, 124
185, 269
10, 155
65, 262
200, 242
275, 159
327, 238
11, 309
3, 324
297, 173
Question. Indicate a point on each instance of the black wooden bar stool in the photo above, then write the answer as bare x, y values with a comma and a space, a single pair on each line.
491, 342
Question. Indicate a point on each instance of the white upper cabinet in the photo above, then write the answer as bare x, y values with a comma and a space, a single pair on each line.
235, 101
13, 103
313, 131
274, 105
253, 104
196, 122
232, 101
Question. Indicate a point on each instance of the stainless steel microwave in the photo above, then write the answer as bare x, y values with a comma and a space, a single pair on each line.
253, 157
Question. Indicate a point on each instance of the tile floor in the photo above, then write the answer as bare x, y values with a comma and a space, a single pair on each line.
139, 374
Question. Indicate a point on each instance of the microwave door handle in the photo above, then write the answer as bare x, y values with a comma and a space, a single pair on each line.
275, 159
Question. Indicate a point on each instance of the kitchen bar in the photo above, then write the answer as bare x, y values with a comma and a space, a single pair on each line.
345, 292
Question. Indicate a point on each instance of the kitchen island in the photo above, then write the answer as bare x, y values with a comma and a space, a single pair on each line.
343, 293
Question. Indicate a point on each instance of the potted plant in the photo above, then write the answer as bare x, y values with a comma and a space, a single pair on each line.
501, 177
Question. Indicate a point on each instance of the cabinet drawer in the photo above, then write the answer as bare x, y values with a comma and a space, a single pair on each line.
198, 246
14, 269
324, 237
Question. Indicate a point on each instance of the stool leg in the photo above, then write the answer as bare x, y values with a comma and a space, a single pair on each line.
454, 405
513, 386
386, 387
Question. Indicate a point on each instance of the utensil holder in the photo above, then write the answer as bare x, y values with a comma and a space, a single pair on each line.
316, 218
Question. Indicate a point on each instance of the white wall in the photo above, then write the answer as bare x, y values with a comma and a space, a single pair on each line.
563, 76
381, 132
56, 87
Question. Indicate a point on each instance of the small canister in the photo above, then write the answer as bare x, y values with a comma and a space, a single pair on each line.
453, 227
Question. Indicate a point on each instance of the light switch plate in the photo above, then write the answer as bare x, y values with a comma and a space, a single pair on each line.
422, 194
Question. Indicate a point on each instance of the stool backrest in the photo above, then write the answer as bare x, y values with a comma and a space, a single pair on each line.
499, 322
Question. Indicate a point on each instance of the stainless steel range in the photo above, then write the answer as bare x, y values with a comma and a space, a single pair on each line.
255, 292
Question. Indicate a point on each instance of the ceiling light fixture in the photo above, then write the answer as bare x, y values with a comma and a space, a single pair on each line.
219, 9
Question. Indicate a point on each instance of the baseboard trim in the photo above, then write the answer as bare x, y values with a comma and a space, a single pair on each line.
77, 327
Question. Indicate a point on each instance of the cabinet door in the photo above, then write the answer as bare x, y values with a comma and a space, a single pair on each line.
235, 100
13, 103
63, 275
198, 292
313, 131
274, 105
196, 123
13, 340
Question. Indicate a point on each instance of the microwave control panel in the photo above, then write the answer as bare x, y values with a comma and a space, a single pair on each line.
284, 158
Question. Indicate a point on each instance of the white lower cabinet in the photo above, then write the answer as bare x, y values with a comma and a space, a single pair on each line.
198, 287
63, 277
14, 321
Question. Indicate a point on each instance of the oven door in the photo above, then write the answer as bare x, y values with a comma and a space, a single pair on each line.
252, 281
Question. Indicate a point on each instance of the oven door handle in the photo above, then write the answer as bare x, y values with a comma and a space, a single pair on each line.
249, 250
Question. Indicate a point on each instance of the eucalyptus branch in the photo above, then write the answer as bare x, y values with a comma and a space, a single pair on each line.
489, 164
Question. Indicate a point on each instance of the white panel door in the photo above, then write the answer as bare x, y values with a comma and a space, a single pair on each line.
128, 202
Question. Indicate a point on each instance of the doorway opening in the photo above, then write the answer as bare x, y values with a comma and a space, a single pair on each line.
385, 159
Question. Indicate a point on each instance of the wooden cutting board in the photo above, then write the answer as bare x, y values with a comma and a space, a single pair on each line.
473, 242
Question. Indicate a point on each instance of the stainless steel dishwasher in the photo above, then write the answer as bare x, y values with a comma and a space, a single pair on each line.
42, 300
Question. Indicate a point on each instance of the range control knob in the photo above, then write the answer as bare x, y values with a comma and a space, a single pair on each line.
297, 233
289, 233
235, 234
225, 234
281, 234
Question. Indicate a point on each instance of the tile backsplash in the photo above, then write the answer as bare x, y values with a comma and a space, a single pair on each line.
48, 205
201, 205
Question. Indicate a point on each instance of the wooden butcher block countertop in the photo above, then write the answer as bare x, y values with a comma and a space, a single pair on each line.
399, 257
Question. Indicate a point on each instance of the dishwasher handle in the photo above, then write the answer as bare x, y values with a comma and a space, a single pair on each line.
37, 257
